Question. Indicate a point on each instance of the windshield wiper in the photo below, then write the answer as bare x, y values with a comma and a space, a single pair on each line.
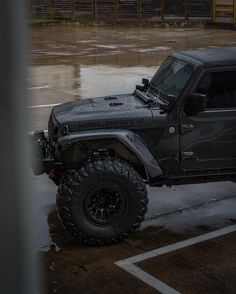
165, 97
159, 93
143, 96
153, 101
164, 101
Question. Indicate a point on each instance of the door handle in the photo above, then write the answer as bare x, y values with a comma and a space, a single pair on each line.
187, 128
187, 155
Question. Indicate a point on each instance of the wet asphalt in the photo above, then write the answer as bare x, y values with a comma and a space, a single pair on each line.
71, 62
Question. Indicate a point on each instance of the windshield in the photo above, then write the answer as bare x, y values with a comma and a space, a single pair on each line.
172, 76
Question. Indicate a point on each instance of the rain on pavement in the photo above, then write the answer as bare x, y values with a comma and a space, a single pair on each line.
72, 62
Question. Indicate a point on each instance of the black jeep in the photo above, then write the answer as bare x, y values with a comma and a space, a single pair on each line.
178, 128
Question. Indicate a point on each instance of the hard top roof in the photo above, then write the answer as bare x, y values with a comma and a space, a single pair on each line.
213, 56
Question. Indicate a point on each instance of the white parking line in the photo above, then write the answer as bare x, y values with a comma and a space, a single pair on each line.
32, 132
44, 105
39, 88
129, 263
148, 279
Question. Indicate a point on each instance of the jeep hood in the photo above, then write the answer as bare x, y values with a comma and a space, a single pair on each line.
104, 112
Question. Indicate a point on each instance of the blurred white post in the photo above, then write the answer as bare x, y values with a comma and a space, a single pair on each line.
17, 251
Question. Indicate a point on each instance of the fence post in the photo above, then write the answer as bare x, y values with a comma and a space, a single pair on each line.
72, 9
51, 9
234, 12
213, 10
116, 9
186, 9
163, 10
138, 8
94, 9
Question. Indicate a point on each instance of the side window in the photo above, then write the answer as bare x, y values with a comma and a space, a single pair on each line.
219, 88
204, 85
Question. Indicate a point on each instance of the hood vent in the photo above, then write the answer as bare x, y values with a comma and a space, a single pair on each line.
110, 98
115, 104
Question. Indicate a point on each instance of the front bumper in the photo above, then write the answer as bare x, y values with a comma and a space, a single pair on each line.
41, 159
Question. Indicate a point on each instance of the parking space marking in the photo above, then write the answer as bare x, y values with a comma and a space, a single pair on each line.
32, 132
39, 88
128, 264
148, 279
43, 105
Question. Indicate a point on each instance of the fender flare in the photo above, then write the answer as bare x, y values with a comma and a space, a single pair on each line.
126, 137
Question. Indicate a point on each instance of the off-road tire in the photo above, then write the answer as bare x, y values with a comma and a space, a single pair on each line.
73, 191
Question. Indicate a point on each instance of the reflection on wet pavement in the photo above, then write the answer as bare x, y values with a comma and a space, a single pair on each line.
81, 62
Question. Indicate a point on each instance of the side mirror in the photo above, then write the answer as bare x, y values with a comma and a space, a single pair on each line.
196, 103
145, 81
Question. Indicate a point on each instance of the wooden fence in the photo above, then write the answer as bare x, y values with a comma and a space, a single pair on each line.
115, 10
224, 11
119, 10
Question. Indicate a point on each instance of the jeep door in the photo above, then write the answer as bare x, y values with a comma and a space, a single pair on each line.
208, 138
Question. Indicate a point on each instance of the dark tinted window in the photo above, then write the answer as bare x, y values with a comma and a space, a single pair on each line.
220, 89
172, 76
